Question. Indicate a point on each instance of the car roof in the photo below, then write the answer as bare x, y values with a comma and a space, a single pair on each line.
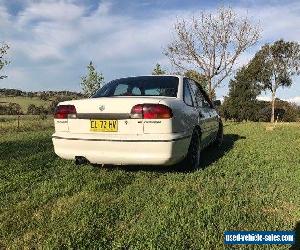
179, 76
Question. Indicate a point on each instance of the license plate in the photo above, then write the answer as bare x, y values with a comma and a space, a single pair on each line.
104, 125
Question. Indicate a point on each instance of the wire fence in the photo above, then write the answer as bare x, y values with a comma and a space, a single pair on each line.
17, 123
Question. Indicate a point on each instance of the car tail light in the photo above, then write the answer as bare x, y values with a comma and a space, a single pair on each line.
137, 111
65, 112
151, 111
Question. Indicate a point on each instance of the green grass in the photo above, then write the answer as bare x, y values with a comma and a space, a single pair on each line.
250, 183
23, 101
9, 123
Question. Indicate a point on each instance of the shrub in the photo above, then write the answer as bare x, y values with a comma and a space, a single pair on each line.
10, 109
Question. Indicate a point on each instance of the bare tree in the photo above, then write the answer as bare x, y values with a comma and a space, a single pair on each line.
3, 62
211, 44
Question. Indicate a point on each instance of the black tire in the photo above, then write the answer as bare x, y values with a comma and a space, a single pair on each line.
219, 139
192, 159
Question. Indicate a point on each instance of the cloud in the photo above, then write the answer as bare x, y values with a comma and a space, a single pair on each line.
56, 11
53, 41
104, 8
264, 98
52, 27
277, 21
295, 99
44, 40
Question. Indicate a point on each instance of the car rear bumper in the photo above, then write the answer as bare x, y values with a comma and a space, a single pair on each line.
159, 149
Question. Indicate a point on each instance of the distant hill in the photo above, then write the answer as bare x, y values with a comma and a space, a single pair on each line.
24, 101
47, 100
49, 93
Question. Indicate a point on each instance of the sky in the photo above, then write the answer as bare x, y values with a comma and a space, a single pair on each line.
52, 41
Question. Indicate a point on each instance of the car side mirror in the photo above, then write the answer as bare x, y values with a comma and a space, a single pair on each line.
217, 103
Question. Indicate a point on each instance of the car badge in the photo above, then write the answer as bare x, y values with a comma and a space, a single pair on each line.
101, 108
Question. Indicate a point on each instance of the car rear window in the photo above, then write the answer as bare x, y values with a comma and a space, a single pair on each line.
140, 86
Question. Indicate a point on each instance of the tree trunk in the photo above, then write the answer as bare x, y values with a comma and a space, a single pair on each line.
18, 121
273, 108
210, 91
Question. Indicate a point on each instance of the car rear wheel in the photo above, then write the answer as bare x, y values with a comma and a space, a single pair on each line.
192, 160
219, 139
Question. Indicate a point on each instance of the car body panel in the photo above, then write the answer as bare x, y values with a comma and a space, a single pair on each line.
153, 149
137, 141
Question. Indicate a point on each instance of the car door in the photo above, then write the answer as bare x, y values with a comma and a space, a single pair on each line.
203, 113
189, 115
214, 116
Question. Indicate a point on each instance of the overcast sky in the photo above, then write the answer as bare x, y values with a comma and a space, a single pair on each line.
52, 41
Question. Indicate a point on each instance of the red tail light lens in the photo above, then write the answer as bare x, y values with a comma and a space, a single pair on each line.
65, 112
137, 111
151, 111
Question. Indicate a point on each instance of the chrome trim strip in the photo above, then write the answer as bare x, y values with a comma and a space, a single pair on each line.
113, 116
79, 139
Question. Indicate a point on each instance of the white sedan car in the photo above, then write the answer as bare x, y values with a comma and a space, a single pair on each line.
143, 120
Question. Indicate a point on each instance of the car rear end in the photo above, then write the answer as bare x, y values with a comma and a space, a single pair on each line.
124, 126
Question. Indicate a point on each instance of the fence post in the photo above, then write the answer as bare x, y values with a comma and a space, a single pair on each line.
18, 121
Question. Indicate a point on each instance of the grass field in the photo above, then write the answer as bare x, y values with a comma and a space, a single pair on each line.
9, 123
250, 183
24, 101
